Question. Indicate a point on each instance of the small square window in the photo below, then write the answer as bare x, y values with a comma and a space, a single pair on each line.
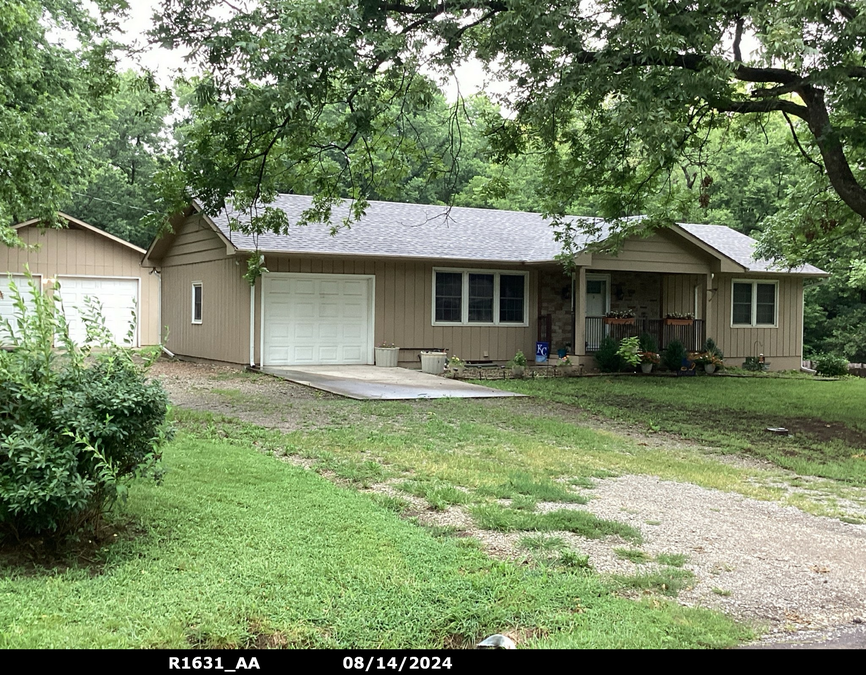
196, 302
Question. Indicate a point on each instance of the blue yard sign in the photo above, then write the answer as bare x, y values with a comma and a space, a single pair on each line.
542, 349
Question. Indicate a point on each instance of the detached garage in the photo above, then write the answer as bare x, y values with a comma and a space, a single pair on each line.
83, 261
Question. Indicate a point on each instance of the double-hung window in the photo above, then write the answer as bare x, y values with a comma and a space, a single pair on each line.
468, 297
196, 302
755, 303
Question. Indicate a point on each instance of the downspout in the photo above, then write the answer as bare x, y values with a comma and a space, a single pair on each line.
252, 325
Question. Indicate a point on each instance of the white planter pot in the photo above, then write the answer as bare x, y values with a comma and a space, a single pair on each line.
646, 367
386, 357
518, 371
433, 362
709, 368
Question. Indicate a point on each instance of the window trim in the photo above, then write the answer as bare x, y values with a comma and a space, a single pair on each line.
754, 283
196, 284
464, 297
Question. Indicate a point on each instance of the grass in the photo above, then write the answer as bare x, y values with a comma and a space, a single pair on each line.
672, 559
827, 419
240, 549
495, 517
634, 555
667, 581
495, 447
521, 483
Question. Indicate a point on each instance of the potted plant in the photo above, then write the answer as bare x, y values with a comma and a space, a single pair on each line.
565, 364
711, 357
679, 319
456, 365
709, 361
433, 362
619, 317
387, 354
518, 364
629, 351
648, 360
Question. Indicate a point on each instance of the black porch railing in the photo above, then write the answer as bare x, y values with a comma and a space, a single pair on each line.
664, 331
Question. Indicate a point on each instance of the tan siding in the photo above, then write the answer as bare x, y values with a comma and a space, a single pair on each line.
196, 242
784, 342
223, 334
80, 252
661, 252
678, 292
403, 309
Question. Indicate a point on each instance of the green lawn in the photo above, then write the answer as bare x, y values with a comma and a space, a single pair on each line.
827, 419
241, 549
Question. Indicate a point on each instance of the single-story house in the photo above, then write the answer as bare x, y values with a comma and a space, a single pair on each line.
480, 283
83, 261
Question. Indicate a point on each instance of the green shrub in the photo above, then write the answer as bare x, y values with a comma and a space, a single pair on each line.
830, 365
673, 355
754, 364
647, 343
628, 351
76, 423
607, 357
711, 348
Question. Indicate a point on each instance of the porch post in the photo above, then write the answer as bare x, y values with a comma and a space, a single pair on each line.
709, 331
580, 313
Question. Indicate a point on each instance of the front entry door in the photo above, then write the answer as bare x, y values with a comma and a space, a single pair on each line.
597, 305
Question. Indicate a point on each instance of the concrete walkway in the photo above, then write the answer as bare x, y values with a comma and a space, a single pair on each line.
387, 384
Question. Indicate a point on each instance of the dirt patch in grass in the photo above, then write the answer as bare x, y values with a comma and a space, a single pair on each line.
754, 425
38, 555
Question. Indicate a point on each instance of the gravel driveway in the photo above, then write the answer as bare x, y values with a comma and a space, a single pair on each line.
803, 577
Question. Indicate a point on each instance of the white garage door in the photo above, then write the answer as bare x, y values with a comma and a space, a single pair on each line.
317, 319
119, 298
7, 304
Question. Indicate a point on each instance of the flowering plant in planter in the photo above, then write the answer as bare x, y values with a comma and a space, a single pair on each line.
565, 361
456, 363
685, 316
707, 359
650, 357
387, 345
620, 314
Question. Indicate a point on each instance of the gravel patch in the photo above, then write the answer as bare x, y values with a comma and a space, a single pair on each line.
754, 560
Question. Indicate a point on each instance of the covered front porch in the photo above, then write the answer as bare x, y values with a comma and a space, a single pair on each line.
573, 309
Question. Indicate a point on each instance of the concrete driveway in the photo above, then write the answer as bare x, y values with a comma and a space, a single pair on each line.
387, 384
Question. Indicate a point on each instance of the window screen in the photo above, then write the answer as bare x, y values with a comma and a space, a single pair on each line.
481, 298
511, 298
449, 296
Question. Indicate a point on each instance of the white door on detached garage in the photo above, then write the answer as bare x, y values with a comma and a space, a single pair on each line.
317, 319
119, 299
7, 303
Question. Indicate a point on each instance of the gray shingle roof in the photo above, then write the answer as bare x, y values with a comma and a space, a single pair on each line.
391, 229
740, 248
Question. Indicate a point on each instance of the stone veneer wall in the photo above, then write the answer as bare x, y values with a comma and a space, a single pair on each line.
640, 291
555, 299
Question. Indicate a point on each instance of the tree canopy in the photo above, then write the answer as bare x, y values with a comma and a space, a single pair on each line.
615, 95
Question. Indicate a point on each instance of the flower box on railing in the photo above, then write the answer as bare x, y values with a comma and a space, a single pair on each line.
679, 322
610, 321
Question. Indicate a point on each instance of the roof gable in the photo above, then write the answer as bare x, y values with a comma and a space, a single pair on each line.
75, 223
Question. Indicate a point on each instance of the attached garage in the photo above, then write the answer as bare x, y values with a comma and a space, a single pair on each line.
81, 261
317, 319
